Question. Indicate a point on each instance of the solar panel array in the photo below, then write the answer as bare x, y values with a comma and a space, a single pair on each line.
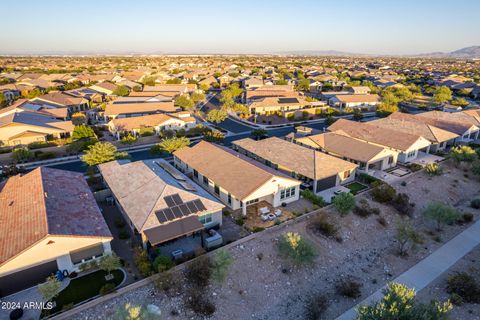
287, 100
178, 209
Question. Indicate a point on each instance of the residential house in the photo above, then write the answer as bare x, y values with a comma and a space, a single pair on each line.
158, 201
368, 101
368, 156
105, 88
63, 100
49, 221
320, 170
124, 110
235, 179
407, 145
286, 107
465, 124
157, 121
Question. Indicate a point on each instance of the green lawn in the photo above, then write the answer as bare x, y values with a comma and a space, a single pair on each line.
83, 288
356, 187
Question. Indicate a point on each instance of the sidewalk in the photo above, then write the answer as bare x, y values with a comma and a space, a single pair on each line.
423, 273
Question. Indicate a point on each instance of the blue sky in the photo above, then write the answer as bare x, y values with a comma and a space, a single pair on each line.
242, 26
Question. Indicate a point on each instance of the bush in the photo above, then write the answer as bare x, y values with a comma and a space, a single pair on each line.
163, 263
414, 167
383, 193
41, 144
199, 271
315, 307
465, 286
433, 169
128, 139
475, 203
140, 258
348, 288
344, 202
366, 178
313, 198
441, 214
221, 262
401, 203
44, 155
21, 155
364, 210
107, 288
319, 224
296, 249
467, 217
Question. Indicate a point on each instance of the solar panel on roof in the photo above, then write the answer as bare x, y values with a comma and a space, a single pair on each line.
161, 216
287, 100
183, 207
169, 200
191, 207
169, 214
177, 199
177, 213
199, 205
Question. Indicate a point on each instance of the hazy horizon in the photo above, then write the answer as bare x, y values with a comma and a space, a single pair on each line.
216, 27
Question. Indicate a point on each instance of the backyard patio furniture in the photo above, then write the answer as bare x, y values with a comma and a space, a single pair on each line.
264, 210
271, 216
278, 213
264, 217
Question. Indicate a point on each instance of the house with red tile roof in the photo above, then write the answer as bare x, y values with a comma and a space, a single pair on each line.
49, 221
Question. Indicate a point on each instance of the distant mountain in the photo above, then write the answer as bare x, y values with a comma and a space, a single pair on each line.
318, 53
468, 52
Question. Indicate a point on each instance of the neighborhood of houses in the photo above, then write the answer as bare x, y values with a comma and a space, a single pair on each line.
181, 201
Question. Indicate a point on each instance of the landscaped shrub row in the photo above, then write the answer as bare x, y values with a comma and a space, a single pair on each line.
313, 198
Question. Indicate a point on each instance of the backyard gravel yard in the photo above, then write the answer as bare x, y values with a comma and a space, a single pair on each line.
262, 285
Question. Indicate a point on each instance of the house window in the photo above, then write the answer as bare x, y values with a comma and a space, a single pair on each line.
411, 154
217, 189
390, 160
195, 173
346, 174
205, 180
229, 198
205, 219
252, 201
287, 193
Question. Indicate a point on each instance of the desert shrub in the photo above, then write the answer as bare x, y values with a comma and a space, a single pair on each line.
383, 193
414, 167
199, 271
441, 214
298, 250
221, 262
344, 203
401, 203
199, 303
364, 210
313, 198
465, 286
169, 283
475, 203
163, 263
348, 288
433, 169
147, 131
257, 229
41, 144
315, 306
44, 155
128, 139
467, 217
140, 258
21, 155
106, 288
320, 224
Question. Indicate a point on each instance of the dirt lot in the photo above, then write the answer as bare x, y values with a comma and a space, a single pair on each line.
261, 285
436, 290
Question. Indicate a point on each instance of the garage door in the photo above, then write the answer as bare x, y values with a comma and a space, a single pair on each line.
326, 183
26, 278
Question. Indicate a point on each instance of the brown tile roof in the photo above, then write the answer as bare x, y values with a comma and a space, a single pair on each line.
410, 124
307, 162
342, 145
152, 120
125, 108
45, 202
61, 99
347, 98
232, 171
458, 122
383, 136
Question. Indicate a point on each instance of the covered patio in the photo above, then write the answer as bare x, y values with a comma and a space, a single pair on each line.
426, 158
255, 211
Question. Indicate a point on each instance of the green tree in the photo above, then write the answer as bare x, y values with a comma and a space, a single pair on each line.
398, 303
344, 202
21, 155
281, 82
217, 115
405, 234
389, 103
121, 91
101, 152
303, 85
109, 263
149, 80
241, 109
221, 262
461, 102
3, 100
442, 95
79, 118
128, 139
259, 133
463, 154
83, 132
50, 288
184, 102
173, 144
293, 247
174, 81
357, 114
441, 214
197, 97
213, 136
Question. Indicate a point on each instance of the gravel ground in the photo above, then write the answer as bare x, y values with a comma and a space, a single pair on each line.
270, 288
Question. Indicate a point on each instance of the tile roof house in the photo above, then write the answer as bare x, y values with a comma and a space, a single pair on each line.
122, 110
354, 101
63, 100
465, 124
49, 221
366, 155
407, 145
235, 179
312, 166
159, 201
